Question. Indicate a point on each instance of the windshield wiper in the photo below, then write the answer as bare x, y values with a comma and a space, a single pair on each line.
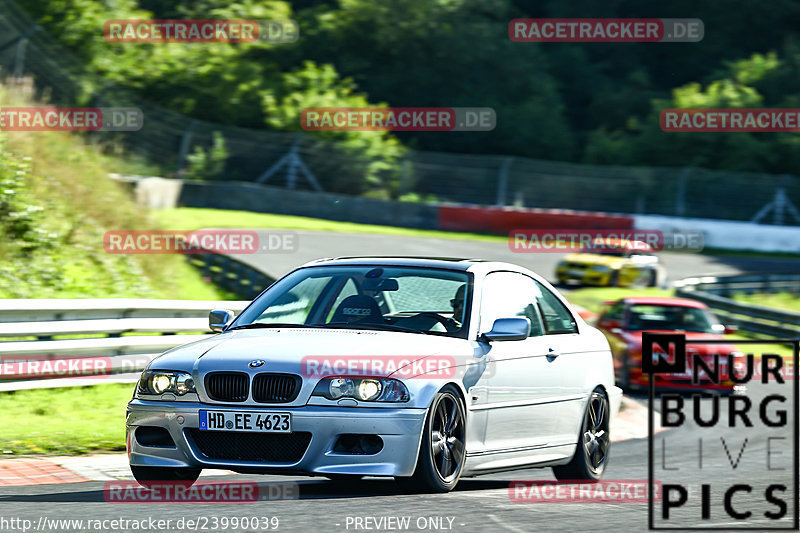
257, 325
391, 327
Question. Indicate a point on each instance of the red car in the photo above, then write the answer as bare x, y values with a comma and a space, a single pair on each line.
623, 321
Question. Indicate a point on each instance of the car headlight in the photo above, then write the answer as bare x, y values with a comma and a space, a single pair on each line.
364, 389
600, 268
161, 381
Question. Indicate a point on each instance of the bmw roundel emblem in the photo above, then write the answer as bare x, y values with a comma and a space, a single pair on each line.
257, 363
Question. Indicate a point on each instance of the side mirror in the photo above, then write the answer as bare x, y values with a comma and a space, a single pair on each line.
219, 319
730, 329
509, 329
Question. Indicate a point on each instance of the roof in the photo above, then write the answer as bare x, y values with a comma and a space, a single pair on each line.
451, 263
611, 244
477, 266
663, 300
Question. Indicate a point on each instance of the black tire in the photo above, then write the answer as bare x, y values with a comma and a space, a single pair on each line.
613, 280
591, 453
652, 280
442, 449
148, 476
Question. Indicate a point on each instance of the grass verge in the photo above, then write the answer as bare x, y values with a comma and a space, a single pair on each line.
782, 300
194, 218
64, 421
56, 204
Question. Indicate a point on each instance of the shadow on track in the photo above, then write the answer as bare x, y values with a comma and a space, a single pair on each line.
311, 489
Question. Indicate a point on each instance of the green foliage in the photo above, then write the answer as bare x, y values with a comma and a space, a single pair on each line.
20, 219
737, 86
27, 243
207, 164
373, 156
56, 203
595, 103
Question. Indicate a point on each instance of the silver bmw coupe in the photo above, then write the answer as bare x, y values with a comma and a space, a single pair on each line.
425, 370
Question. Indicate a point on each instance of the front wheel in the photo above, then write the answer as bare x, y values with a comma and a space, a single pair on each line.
591, 453
442, 451
149, 476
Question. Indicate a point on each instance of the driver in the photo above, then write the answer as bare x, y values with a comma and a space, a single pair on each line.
457, 302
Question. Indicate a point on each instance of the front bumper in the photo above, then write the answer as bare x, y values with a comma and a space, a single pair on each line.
399, 429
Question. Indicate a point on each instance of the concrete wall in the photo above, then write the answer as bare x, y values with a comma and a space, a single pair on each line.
731, 235
728, 234
265, 199
479, 219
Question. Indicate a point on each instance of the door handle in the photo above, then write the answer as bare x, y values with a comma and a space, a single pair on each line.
552, 354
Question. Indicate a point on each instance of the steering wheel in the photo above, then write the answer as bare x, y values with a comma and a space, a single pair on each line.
437, 317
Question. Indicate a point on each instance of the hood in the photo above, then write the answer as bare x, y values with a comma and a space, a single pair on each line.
593, 259
286, 349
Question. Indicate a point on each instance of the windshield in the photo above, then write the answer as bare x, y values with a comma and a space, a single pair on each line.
417, 300
671, 317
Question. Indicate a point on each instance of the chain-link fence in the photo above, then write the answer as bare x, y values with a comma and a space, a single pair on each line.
288, 159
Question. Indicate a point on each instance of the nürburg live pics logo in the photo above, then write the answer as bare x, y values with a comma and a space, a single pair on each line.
728, 460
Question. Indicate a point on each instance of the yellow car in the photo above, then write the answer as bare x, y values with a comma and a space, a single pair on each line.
614, 263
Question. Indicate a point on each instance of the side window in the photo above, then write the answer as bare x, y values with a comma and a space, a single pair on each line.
507, 294
557, 318
616, 313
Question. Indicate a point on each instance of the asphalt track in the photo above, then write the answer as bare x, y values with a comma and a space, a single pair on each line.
478, 504
311, 245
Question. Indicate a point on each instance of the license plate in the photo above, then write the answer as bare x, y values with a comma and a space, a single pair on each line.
245, 421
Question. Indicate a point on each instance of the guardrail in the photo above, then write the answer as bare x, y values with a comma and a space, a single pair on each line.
126, 333
715, 292
231, 275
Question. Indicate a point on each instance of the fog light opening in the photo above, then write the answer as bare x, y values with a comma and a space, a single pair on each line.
154, 437
358, 444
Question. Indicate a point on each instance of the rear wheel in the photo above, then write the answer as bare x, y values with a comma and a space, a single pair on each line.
613, 280
591, 453
149, 476
442, 451
652, 280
